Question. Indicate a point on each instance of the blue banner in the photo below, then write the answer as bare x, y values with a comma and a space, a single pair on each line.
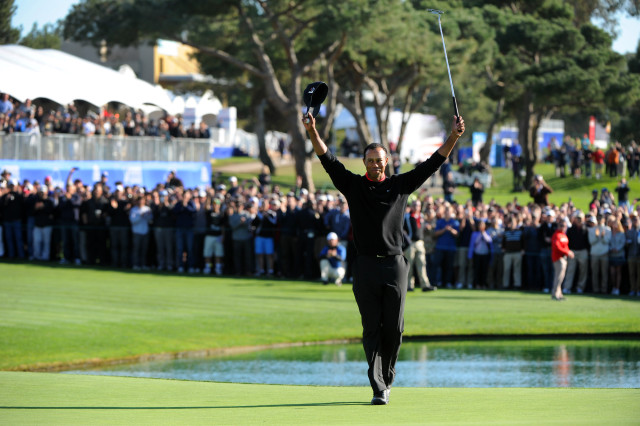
147, 174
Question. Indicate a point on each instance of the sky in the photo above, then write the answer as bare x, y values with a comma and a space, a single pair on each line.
49, 11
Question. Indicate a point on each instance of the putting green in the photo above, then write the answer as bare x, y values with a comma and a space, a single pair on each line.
45, 398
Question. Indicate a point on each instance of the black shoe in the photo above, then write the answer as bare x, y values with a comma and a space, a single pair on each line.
430, 288
380, 398
410, 289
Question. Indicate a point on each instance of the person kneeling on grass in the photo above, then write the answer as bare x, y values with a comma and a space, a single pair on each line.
332, 259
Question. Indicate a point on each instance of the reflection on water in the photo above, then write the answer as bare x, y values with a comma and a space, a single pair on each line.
602, 364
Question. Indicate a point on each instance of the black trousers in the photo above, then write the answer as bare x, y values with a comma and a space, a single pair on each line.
380, 289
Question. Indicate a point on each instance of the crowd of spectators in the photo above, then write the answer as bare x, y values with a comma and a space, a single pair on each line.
29, 118
254, 228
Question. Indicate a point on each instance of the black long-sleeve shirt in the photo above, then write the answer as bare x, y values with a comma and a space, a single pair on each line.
377, 208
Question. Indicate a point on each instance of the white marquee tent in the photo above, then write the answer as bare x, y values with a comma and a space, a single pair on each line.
27, 73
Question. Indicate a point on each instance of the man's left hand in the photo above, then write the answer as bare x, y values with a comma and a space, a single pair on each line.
457, 128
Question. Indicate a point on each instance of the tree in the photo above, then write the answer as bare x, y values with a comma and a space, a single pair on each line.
8, 34
48, 37
549, 66
277, 43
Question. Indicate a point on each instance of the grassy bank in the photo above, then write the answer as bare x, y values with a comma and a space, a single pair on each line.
52, 314
578, 190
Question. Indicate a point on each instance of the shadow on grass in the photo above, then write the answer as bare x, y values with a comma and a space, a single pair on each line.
316, 404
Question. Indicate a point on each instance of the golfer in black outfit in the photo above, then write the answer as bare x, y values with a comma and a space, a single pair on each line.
376, 206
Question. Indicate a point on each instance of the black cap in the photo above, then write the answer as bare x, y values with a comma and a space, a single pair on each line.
314, 95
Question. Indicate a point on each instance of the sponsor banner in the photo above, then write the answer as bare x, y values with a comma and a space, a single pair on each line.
147, 174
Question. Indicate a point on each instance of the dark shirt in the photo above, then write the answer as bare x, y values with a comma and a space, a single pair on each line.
578, 238
377, 208
12, 204
215, 223
162, 216
288, 222
512, 240
119, 215
185, 215
43, 216
545, 231
95, 209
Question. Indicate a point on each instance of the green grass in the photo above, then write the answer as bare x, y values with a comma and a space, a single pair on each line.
30, 398
54, 314
578, 190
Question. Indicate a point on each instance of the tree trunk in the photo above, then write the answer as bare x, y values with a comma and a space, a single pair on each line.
260, 131
527, 136
301, 158
485, 151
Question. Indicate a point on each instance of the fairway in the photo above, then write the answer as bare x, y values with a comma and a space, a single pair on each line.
54, 317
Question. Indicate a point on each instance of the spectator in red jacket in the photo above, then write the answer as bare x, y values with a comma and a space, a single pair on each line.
559, 254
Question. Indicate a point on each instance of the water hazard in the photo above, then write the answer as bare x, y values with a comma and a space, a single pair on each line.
531, 363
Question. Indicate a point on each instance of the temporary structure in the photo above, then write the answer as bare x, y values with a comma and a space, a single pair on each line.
27, 73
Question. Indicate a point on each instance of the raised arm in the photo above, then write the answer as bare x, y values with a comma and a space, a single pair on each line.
319, 147
457, 129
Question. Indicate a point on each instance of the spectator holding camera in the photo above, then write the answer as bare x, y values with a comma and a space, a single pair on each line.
332, 258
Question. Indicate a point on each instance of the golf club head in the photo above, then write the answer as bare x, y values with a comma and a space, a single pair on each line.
314, 95
436, 11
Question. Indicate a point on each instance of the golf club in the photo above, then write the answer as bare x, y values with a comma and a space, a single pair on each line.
453, 94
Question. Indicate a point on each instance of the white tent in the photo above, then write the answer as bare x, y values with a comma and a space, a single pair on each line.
27, 73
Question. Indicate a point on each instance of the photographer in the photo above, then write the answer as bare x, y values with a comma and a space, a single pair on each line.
623, 193
332, 259
540, 191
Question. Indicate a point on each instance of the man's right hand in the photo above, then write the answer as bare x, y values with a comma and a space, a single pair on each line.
308, 122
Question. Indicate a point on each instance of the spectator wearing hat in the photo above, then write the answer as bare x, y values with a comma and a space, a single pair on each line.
559, 253
599, 238
164, 229
332, 258
616, 254
540, 191
265, 223
43, 224
234, 188
140, 217
607, 198
633, 254
579, 244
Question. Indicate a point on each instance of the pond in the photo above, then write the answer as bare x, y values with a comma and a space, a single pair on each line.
520, 363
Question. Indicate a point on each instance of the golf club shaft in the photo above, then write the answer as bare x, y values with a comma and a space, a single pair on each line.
446, 59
